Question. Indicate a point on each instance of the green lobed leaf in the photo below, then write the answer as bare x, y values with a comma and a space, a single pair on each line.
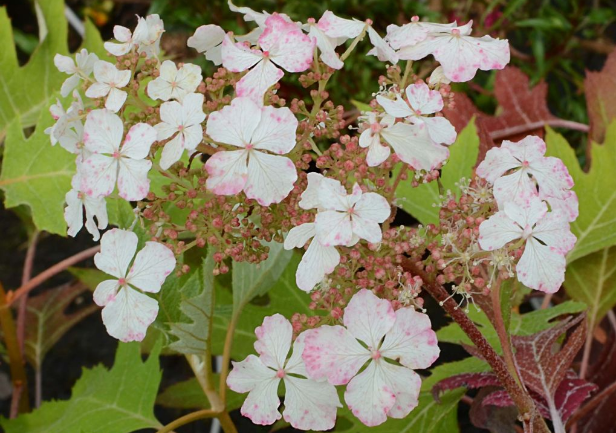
189, 395
193, 337
596, 191
119, 400
284, 298
463, 155
250, 281
592, 279
36, 174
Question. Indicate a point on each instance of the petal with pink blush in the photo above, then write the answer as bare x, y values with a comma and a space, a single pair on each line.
276, 130
129, 314
368, 318
274, 341
568, 205
333, 228
381, 49
317, 262
270, 178
411, 341
423, 100
103, 131
261, 383
414, 146
370, 395
497, 162
151, 267
227, 172
541, 267
366, 229
235, 123
238, 57
554, 231
258, 80
117, 250
497, 231
395, 107
138, 141
530, 148
287, 45
310, 405
100, 175
552, 176
332, 352
295, 364
406, 385
105, 292
133, 182
440, 129
336, 27
515, 186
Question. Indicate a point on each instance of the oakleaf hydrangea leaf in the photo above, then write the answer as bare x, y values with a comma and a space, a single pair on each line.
119, 400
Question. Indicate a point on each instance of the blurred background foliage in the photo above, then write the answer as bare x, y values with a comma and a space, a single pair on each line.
552, 40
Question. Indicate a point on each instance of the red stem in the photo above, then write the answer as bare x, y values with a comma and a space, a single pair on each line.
23, 302
522, 400
45, 275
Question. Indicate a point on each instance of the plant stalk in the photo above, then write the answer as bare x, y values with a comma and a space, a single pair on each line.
526, 406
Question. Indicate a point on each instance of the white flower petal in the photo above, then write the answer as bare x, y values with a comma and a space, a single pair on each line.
413, 146
288, 46
276, 130
206, 37
73, 212
69, 84
497, 162
310, 405
333, 228
97, 90
105, 292
317, 262
115, 99
326, 47
423, 100
235, 123
270, 178
172, 152
336, 27
368, 318
237, 57
381, 49
332, 352
541, 267
395, 108
515, 186
274, 341
497, 231
554, 231
133, 182
103, 131
117, 250
129, 314
411, 340
227, 171
138, 141
258, 80
151, 267
299, 235
440, 129
99, 175
370, 395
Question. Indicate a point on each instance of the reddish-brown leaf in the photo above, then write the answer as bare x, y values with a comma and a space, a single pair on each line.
542, 365
496, 419
522, 110
466, 380
601, 98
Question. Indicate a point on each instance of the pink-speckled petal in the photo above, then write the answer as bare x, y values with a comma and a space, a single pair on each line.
236, 123
552, 176
541, 267
530, 148
414, 146
440, 129
237, 57
423, 100
381, 49
276, 130
497, 231
102, 132
99, 174
395, 107
332, 352
497, 162
274, 341
310, 405
554, 231
517, 186
370, 395
151, 267
255, 83
339, 28
133, 182
105, 292
117, 250
333, 228
411, 341
128, 315
287, 45
368, 318
227, 172
567, 204
270, 178
138, 141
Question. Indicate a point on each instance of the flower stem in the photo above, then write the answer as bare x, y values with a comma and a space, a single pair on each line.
226, 358
45, 275
20, 402
186, 419
525, 404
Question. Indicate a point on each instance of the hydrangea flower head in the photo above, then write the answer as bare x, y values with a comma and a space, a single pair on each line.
522, 160
309, 405
127, 312
109, 81
460, 54
111, 162
174, 83
546, 236
265, 177
282, 43
78, 69
182, 121
382, 389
